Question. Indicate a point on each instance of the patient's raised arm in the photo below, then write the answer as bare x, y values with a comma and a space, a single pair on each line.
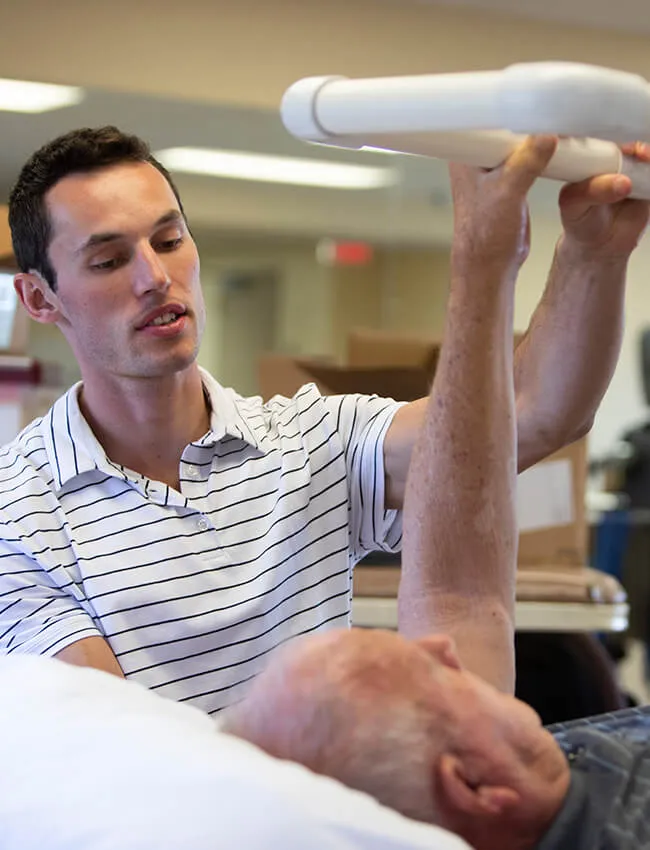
460, 531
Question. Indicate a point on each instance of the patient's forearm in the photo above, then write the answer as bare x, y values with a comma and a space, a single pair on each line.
482, 631
460, 535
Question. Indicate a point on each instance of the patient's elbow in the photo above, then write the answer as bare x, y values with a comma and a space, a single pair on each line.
550, 440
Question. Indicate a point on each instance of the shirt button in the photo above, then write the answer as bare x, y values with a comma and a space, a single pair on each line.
193, 471
203, 524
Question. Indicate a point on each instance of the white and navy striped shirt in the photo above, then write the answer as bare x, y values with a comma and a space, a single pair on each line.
193, 589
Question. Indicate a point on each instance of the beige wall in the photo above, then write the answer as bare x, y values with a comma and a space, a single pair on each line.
249, 51
357, 296
402, 290
415, 286
305, 315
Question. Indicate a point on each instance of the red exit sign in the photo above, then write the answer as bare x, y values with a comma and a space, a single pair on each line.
334, 252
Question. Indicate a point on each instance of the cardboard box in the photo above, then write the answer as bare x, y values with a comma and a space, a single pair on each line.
6, 249
551, 508
283, 375
371, 349
279, 374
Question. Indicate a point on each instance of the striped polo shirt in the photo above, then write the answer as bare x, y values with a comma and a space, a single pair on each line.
193, 589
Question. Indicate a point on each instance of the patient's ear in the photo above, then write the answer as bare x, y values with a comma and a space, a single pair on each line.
464, 796
37, 297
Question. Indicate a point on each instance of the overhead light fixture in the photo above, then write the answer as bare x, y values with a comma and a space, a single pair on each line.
22, 96
275, 169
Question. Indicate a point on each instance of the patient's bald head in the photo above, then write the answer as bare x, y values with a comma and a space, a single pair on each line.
403, 721
354, 705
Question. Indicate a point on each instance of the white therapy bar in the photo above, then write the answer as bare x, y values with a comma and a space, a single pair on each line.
477, 117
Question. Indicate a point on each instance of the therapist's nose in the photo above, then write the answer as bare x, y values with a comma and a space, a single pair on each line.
150, 272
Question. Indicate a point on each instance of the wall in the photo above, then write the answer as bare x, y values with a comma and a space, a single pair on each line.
415, 285
357, 296
249, 51
47, 344
305, 315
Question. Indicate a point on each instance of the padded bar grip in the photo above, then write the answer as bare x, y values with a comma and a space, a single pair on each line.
477, 118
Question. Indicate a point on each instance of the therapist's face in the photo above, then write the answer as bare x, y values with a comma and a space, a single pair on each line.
128, 296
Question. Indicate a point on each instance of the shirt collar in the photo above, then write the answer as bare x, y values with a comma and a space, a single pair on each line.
73, 449
71, 446
230, 416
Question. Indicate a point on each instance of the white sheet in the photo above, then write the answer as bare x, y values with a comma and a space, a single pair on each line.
89, 762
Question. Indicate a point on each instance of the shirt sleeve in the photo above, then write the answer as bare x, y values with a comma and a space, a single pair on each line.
37, 615
362, 422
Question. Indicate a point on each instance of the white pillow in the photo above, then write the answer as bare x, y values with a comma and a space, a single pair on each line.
91, 762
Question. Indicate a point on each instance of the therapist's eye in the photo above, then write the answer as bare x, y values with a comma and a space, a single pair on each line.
168, 244
109, 263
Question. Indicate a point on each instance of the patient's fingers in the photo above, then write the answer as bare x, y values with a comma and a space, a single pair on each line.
464, 175
527, 162
639, 150
519, 171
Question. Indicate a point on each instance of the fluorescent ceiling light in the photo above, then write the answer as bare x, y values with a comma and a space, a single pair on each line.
275, 169
21, 96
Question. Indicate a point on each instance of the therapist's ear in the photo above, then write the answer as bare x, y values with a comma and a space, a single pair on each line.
37, 297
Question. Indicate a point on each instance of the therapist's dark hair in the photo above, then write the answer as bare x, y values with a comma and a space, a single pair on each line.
78, 151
